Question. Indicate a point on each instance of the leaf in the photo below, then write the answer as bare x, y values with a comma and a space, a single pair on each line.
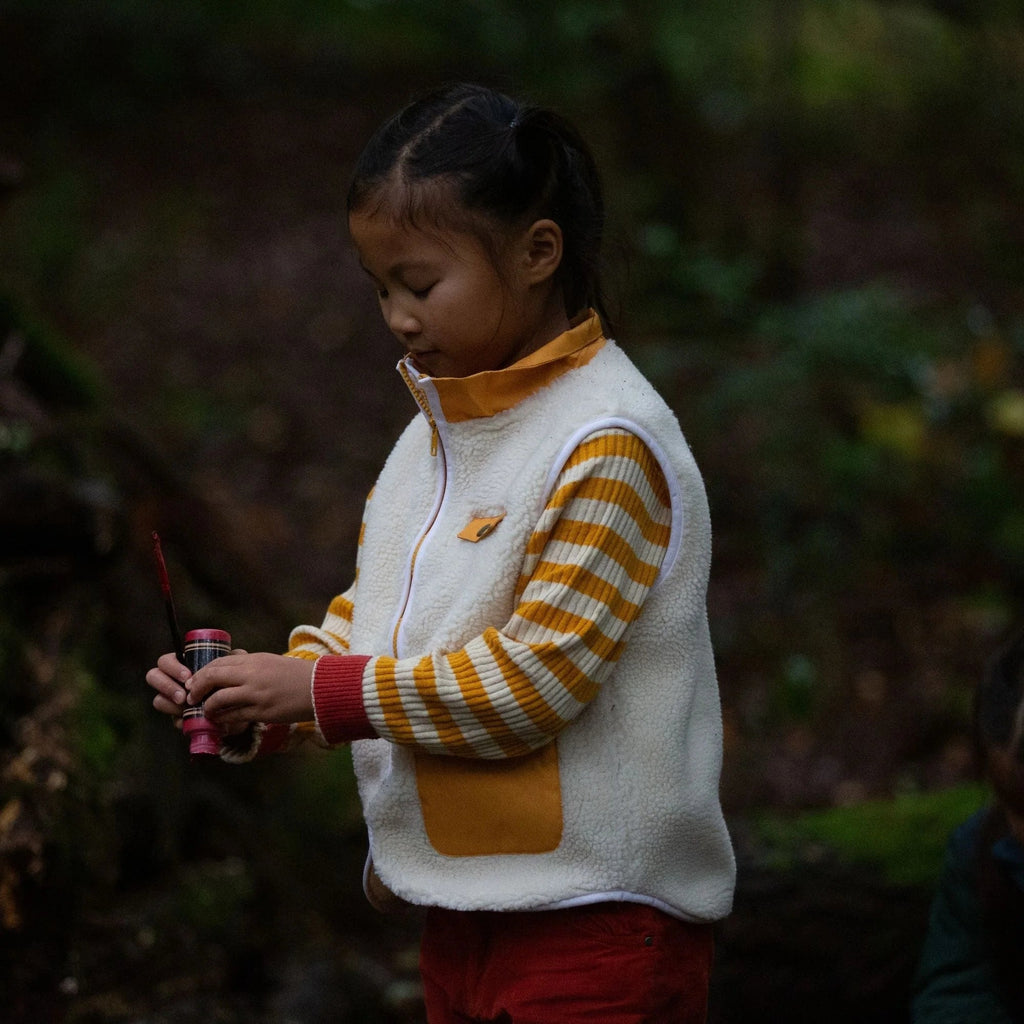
1005, 412
9, 815
898, 426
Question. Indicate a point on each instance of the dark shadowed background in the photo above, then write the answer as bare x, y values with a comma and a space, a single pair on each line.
817, 252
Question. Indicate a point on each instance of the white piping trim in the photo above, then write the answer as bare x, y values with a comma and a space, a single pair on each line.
616, 897
674, 489
397, 629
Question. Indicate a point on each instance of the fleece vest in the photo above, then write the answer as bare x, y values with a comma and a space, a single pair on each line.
624, 803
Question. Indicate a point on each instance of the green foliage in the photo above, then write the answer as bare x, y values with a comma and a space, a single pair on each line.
857, 412
211, 896
904, 838
45, 360
887, 412
723, 133
51, 248
322, 795
319, 823
798, 687
856, 53
719, 131
99, 728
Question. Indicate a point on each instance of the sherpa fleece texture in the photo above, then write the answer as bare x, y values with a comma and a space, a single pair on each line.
636, 775
623, 803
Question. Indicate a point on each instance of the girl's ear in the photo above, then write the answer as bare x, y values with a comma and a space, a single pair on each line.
542, 251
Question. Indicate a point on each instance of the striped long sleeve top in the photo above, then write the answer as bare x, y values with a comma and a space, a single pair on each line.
532, 581
591, 560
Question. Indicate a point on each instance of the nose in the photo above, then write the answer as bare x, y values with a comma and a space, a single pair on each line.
400, 320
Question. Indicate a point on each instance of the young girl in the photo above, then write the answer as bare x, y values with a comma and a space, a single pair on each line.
972, 962
523, 664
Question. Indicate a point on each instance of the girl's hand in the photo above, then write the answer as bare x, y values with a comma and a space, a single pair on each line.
169, 679
240, 689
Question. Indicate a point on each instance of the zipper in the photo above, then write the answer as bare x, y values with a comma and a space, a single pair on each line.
407, 597
421, 401
424, 403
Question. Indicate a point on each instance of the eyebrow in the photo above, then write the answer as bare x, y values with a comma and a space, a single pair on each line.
399, 269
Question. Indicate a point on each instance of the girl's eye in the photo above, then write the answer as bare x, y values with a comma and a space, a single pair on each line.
421, 293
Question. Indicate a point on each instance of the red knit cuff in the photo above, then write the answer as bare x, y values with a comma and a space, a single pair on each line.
338, 698
272, 738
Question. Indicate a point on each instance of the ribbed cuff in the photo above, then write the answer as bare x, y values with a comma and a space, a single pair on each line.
272, 736
338, 698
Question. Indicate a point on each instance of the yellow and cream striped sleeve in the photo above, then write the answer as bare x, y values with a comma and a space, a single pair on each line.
590, 563
331, 636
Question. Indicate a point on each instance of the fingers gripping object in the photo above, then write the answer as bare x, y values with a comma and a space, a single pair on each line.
201, 647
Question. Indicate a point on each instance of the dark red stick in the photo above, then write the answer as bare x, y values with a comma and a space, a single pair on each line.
165, 586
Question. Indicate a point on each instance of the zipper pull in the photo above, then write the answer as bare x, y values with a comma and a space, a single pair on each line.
421, 401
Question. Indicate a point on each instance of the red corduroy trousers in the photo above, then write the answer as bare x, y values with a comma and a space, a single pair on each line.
605, 963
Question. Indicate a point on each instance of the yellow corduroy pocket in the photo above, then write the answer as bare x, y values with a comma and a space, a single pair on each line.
475, 808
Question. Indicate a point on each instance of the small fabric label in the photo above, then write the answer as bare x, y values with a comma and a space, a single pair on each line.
476, 529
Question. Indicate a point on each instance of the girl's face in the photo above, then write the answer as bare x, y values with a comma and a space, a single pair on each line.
453, 310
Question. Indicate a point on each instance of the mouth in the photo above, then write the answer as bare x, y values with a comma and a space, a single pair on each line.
422, 356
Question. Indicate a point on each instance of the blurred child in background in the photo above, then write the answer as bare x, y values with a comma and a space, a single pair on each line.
972, 963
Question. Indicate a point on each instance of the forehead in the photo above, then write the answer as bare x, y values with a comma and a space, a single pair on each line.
385, 242
401, 211
379, 235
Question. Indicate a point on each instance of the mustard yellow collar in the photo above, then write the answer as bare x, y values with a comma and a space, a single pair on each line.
493, 391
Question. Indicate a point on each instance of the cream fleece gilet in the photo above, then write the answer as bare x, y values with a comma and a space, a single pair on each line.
623, 804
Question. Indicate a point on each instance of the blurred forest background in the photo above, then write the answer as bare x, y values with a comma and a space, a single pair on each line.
818, 239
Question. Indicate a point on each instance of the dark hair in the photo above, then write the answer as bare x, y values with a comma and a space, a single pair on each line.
496, 161
999, 717
998, 728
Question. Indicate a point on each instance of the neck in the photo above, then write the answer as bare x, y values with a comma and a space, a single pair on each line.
549, 320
